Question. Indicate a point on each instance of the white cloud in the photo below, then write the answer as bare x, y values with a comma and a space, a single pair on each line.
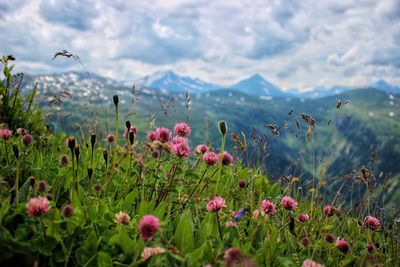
292, 43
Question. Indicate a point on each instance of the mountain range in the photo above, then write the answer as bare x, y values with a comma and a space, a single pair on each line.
254, 85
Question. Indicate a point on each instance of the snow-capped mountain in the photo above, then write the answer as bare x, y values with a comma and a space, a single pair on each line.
171, 81
257, 85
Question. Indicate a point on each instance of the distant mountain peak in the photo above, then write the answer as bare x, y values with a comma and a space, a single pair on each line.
169, 80
258, 85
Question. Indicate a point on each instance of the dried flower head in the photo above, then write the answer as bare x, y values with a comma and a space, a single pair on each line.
149, 252
122, 218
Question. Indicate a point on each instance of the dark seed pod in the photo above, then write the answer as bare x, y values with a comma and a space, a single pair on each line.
77, 152
223, 128
116, 100
128, 125
71, 143
93, 139
131, 137
105, 156
32, 181
16, 151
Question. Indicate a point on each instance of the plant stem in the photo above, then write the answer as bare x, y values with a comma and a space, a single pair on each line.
220, 162
194, 189
219, 225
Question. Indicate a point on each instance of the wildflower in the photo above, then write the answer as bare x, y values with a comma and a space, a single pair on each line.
303, 217
64, 160
151, 136
230, 224
255, 214
37, 206
242, 183
68, 211
98, 187
233, 256
370, 247
289, 203
21, 131
155, 154
215, 204
181, 149
210, 158
182, 129
5, 134
330, 238
227, 158
49, 197
163, 134
329, 211
27, 139
131, 130
110, 138
311, 263
122, 218
343, 246
42, 186
148, 227
268, 207
372, 223
178, 140
305, 241
239, 215
149, 251
201, 149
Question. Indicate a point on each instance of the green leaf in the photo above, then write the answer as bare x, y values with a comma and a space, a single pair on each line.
184, 233
104, 260
82, 255
123, 241
197, 255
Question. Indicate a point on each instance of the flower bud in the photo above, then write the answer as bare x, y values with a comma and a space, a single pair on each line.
71, 143
105, 156
90, 172
223, 128
77, 152
116, 100
27, 139
131, 137
42, 186
128, 125
98, 187
67, 211
93, 139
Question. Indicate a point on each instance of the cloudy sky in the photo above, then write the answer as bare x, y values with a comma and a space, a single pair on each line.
292, 43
